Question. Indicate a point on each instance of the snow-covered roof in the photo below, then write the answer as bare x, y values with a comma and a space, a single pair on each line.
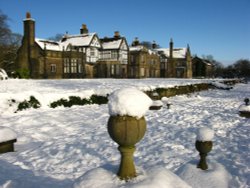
74, 40
205, 61
50, 45
77, 40
208, 62
115, 44
177, 52
136, 48
26, 19
152, 52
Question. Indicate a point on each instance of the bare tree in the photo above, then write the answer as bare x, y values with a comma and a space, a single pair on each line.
4, 28
149, 45
242, 67
57, 37
9, 44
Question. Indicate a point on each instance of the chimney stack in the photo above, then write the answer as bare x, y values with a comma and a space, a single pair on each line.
171, 48
28, 16
29, 29
154, 45
117, 34
135, 42
84, 29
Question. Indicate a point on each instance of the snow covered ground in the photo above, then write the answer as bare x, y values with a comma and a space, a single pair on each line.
66, 147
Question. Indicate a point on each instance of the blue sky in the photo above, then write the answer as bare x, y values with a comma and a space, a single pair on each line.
211, 27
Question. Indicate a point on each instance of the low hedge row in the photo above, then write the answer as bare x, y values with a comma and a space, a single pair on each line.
157, 93
73, 100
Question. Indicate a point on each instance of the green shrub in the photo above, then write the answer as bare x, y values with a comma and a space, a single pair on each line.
74, 100
96, 99
22, 73
32, 103
61, 102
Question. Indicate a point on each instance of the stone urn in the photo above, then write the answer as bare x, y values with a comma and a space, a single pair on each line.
157, 105
126, 131
244, 109
204, 147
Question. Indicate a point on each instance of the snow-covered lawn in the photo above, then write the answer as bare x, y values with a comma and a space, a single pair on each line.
64, 146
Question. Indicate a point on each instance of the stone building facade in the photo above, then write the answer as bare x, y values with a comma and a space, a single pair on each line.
144, 63
75, 56
175, 62
202, 68
47, 59
85, 55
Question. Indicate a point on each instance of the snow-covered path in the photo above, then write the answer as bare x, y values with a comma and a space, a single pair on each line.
56, 146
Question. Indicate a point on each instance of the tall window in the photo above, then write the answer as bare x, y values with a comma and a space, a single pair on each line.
112, 69
142, 58
142, 71
132, 58
79, 67
117, 69
74, 66
66, 66
53, 68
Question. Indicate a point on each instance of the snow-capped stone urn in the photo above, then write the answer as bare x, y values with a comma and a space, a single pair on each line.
127, 125
204, 145
246, 100
244, 109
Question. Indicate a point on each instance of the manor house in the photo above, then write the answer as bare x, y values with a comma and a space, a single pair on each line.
85, 55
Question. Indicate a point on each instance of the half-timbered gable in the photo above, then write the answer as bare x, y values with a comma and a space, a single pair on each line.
88, 43
113, 57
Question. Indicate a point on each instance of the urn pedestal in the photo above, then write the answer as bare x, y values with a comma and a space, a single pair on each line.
126, 131
7, 146
204, 147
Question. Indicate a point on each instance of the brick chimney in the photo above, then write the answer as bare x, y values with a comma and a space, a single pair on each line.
117, 34
29, 43
135, 42
29, 29
84, 29
154, 45
28, 15
171, 48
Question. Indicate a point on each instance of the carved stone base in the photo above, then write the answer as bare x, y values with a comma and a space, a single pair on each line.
7, 146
